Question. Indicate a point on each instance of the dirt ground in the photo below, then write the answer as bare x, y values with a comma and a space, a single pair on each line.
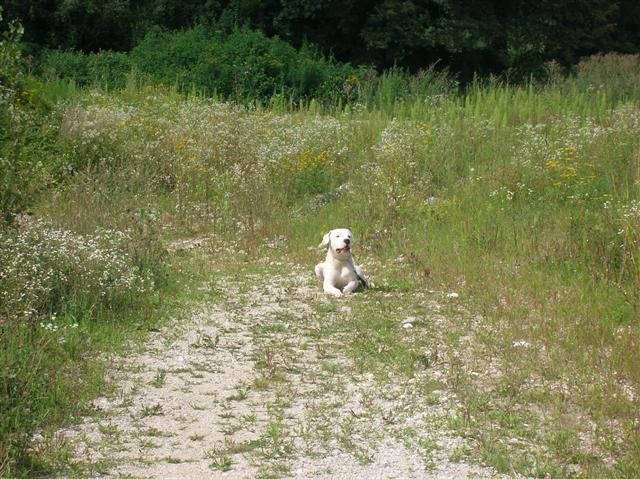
253, 386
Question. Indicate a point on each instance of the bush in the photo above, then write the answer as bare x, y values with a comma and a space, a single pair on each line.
109, 69
244, 65
247, 66
173, 58
22, 112
106, 68
65, 64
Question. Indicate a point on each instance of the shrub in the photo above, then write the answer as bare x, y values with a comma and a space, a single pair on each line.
22, 111
247, 66
173, 58
65, 64
244, 65
106, 69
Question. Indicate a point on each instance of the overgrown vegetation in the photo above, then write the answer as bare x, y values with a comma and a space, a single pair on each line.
20, 112
244, 66
523, 199
65, 293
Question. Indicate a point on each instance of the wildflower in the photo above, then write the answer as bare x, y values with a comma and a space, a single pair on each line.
42, 261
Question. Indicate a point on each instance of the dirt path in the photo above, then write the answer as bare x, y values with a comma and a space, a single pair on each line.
255, 386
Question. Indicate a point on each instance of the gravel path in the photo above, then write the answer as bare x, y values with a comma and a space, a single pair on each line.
252, 387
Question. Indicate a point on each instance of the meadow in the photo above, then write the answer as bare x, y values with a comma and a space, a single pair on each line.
523, 199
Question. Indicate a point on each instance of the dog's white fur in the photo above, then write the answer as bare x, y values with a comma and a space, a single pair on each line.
339, 273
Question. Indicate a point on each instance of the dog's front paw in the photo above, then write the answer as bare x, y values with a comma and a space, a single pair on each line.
333, 291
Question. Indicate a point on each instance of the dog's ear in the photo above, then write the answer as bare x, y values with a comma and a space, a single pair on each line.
325, 240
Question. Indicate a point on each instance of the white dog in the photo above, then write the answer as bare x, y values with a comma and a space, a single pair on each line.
339, 274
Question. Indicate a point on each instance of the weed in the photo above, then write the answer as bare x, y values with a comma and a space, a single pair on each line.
154, 432
207, 342
241, 394
276, 443
223, 463
109, 430
159, 379
220, 460
155, 410
147, 444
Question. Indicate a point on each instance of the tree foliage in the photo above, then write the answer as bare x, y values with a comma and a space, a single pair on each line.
468, 36
17, 170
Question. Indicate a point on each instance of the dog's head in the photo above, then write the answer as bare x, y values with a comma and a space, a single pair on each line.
339, 242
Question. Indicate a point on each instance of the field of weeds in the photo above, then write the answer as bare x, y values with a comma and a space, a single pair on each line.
524, 201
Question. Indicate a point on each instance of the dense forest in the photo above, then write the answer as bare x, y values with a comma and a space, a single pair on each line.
515, 38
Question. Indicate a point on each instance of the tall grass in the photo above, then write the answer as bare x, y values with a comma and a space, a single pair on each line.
63, 295
67, 293
524, 198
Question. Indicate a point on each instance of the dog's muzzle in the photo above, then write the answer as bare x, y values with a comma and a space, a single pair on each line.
345, 249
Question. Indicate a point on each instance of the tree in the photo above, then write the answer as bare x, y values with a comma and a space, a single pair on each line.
468, 36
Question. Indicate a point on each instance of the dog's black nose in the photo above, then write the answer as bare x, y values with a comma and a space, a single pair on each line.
347, 241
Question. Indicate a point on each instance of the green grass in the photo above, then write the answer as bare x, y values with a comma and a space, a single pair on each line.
524, 200
52, 363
